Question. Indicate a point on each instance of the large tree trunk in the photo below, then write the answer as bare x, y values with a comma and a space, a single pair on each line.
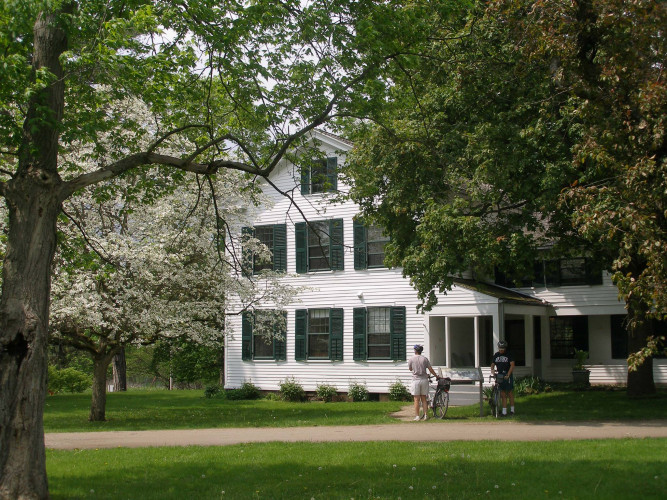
98, 402
32, 197
119, 371
640, 380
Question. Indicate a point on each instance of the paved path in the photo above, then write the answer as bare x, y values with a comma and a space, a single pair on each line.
505, 430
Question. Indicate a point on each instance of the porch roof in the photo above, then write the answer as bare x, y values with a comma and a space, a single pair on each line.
503, 294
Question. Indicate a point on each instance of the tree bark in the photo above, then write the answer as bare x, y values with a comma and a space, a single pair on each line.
33, 204
640, 381
98, 402
119, 371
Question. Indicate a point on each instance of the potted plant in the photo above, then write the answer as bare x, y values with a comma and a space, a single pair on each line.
580, 375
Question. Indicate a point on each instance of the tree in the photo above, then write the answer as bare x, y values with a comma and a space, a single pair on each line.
527, 126
154, 272
239, 82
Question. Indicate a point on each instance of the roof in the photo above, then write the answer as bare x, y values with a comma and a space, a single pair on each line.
334, 136
504, 294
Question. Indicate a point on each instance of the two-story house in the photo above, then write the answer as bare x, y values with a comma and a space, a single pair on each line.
356, 320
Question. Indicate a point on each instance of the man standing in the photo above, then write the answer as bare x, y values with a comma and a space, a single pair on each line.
418, 365
504, 364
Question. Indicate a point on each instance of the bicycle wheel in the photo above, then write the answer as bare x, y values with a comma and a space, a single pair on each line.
496, 402
440, 404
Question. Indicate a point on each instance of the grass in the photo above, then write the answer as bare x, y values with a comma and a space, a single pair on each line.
632, 468
143, 410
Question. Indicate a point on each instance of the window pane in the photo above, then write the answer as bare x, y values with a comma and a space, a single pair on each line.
318, 177
318, 246
379, 330
318, 333
568, 333
263, 347
573, 271
378, 352
375, 244
265, 236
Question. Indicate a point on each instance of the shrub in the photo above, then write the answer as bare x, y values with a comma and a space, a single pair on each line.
398, 392
291, 390
530, 385
272, 396
212, 391
326, 392
248, 390
68, 380
358, 392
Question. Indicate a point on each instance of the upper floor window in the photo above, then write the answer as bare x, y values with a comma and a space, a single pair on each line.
274, 238
556, 272
319, 245
379, 333
369, 243
318, 334
567, 334
263, 335
320, 177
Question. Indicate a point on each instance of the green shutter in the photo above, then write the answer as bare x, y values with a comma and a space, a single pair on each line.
332, 174
300, 328
301, 245
246, 336
336, 248
398, 333
280, 346
359, 334
360, 254
336, 334
280, 247
305, 180
246, 253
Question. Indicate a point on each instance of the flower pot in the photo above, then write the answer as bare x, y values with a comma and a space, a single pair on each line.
581, 377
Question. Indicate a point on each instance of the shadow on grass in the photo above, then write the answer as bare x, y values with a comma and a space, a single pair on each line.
615, 469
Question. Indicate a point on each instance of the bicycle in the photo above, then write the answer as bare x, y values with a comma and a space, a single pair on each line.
438, 396
495, 399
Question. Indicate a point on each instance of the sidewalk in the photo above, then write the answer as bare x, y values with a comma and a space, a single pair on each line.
432, 430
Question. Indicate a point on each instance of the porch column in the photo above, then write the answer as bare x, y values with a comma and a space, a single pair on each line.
448, 351
529, 340
476, 319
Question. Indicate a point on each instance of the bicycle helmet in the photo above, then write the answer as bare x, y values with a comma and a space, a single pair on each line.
418, 348
502, 344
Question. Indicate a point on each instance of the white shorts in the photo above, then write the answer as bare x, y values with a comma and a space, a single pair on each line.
420, 387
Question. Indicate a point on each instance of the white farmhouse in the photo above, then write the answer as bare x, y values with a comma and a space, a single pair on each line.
356, 320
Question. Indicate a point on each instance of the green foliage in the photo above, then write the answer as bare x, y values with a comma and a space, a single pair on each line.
580, 356
247, 391
326, 392
291, 390
357, 391
399, 392
525, 386
68, 380
213, 391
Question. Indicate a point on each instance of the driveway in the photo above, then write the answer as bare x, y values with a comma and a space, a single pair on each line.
432, 430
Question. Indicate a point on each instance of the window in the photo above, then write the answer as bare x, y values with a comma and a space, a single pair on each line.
263, 335
379, 333
369, 243
318, 334
567, 334
559, 272
274, 237
567, 272
319, 246
320, 177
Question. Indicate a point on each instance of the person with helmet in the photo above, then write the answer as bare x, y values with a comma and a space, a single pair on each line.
418, 365
503, 363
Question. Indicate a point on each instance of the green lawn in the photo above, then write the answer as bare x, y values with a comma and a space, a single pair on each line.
142, 410
612, 469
